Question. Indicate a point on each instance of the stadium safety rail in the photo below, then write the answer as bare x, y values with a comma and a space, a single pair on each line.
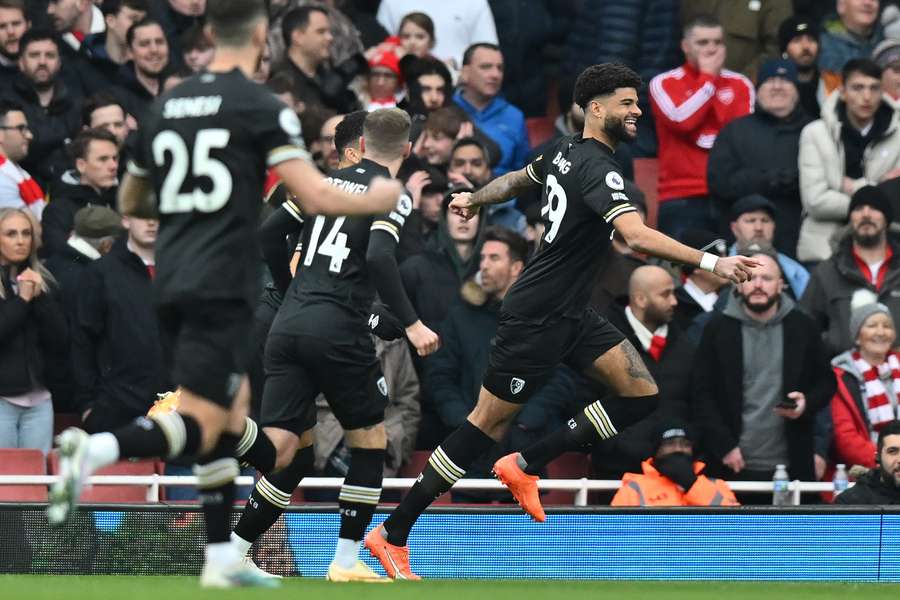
581, 487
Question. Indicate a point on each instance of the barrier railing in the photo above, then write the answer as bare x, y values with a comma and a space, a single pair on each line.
581, 487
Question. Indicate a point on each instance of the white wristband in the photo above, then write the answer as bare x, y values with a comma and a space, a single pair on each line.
708, 262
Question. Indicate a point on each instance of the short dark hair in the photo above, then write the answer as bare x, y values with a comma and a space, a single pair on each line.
518, 247
14, 5
37, 35
8, 106
349, 130
447, 120
312, 119
470, 141
99, 100
892, 428
194, 38
702, 20
145, 22
602, 80
233, 20
113, 7
419, 19
865, 66
470, 51
298, 18
80, 146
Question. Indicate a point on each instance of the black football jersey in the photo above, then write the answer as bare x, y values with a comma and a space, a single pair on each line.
205, 147
583, 192
333, 265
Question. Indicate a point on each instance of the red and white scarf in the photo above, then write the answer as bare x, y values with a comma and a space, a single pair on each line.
29, 191
880, 409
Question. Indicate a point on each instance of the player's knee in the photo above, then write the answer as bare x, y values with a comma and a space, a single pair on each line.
370, 438
287, 444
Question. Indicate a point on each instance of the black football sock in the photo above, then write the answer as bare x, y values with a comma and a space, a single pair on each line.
361, 491
256, 449
166, 435
272, 495
597, 421
446, 466
215, 474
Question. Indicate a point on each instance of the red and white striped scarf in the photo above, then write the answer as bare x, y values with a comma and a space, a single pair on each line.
31, 193
880, 409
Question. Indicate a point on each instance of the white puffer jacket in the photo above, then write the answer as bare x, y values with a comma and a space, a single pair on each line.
822, 172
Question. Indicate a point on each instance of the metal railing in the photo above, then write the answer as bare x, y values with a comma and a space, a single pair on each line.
581, 487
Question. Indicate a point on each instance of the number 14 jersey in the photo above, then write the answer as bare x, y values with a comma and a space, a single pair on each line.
583, 193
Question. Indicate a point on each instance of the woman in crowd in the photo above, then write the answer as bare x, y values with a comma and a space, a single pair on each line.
868, 384
32, 325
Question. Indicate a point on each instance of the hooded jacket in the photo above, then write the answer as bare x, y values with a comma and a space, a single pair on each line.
870, 489
822, 171
67, 196
652, 488
505, 124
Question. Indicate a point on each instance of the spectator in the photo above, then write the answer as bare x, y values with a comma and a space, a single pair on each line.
753, 220
75, 20
93, 182
17, 188
416, 34
282, 86
699, 293
672, 477
457, 24
116, 348
691, 104
307, 37
139, 81
481, 79
887, 56
760, 353
855, 143
757, 154
851, 34
800, 44
867, 258
751, 29
426, 188
429, 87
647, 323
13, 26
442, 127
53, 113
104, 111
322, 146
108, 49
177, 17
868, 382
453, 375
384, 81
196, 49
264, 68
33, 328
880, 485
346, 51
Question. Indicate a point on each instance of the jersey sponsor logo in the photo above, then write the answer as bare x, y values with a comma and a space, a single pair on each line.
198, 106
725, 95
382, 386
561, 163
615, 181
516, 385
404, 205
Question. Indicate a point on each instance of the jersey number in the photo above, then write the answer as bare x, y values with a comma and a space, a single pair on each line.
171, 198
555, 209
333, 246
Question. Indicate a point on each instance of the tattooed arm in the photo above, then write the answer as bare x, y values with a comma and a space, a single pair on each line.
467, 204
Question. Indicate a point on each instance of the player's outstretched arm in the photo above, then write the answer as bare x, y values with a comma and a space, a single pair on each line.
318, 197
136, 198
644, 239
505, 187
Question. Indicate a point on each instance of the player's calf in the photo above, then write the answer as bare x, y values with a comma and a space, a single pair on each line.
357, 501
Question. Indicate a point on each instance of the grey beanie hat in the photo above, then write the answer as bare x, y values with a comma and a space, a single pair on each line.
863, 305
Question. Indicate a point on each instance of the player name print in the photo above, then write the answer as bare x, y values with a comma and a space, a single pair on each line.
186, 108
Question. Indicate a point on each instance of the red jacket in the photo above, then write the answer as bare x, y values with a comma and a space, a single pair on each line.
852, 444
654, 489
690, 108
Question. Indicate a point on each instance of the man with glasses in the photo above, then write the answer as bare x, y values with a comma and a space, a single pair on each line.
17, 188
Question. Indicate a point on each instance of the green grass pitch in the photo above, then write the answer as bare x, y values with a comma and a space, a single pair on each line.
50, 587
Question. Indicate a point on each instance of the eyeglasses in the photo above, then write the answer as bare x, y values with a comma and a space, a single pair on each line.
19, 128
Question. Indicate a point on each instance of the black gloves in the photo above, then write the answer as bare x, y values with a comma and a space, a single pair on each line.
679, 467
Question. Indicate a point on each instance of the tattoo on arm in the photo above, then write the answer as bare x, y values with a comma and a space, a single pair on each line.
503, 188
636, 367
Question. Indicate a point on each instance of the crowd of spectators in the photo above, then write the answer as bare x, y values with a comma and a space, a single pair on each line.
769, 128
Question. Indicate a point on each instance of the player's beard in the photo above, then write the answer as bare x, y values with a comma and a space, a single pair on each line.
614, 127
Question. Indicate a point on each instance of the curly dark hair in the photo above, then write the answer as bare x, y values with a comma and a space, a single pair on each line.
603, 80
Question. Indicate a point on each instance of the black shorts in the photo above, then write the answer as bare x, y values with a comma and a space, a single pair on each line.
524, 353
207, 346
346, 371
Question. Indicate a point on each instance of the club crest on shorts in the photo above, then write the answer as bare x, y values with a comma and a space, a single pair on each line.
516, 385
382, 386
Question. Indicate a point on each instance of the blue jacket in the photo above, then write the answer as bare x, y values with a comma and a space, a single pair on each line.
505, 124
795, 274
837, 45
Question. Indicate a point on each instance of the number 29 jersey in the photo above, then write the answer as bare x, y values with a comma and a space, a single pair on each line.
205, 147
583, 193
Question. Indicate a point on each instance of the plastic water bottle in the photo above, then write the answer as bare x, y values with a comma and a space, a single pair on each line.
781, 492
840, 480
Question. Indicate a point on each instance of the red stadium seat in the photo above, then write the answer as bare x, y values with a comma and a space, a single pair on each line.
540, 129
115, 493
571, 465
21, 461
646, 176
414, 467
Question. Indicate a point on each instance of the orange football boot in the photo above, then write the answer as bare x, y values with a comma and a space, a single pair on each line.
394, 559
522, 486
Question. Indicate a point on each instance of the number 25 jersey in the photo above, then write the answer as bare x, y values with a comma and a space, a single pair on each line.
205, 147
583, 193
